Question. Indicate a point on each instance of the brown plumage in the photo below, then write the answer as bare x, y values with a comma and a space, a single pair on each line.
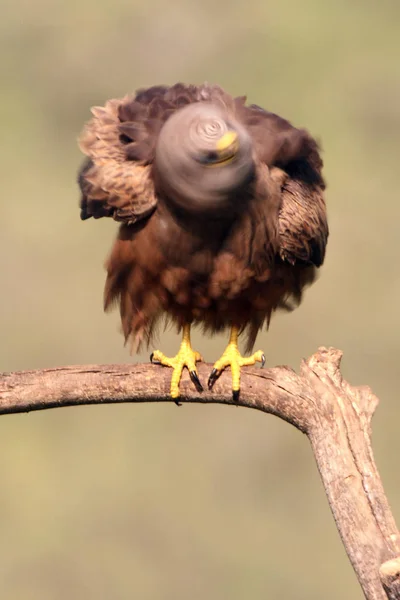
210, 237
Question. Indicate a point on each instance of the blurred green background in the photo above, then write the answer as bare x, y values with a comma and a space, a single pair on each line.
155, 502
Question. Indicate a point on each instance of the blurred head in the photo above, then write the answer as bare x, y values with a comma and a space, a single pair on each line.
203, 156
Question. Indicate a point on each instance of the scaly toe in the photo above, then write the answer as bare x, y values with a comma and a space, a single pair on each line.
246, 361
233, 359
186, 357
159, 358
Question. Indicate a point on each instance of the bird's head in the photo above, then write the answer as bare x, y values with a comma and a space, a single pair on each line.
203, 157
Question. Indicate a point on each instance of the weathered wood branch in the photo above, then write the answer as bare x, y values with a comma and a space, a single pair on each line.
335, 416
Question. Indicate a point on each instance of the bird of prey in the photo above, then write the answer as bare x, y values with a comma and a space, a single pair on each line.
222, 215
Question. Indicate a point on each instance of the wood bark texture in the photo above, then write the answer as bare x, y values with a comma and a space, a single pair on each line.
335, 416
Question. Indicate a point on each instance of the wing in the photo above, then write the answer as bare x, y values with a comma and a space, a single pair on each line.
303, 227
295, 164
112, 183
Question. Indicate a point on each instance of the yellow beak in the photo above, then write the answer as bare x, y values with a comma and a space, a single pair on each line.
228, 141
227, 147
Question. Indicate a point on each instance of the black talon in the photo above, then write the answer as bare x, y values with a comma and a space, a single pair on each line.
235, 395
178, 403
262, 361
213, 378
195, 379
154, 362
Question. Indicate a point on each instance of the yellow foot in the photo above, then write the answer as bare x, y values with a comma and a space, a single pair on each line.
232, 357
186, 357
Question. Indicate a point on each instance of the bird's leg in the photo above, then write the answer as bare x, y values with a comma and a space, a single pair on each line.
232, 357
186, 357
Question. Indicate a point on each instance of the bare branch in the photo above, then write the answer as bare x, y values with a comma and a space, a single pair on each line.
335, 416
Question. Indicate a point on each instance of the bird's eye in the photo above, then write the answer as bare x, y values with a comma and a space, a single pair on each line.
210, 157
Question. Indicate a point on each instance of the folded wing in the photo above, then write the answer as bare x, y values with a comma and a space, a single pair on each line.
293, 158
112, 185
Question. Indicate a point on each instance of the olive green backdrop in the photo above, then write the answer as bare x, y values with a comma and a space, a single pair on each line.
152, 501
